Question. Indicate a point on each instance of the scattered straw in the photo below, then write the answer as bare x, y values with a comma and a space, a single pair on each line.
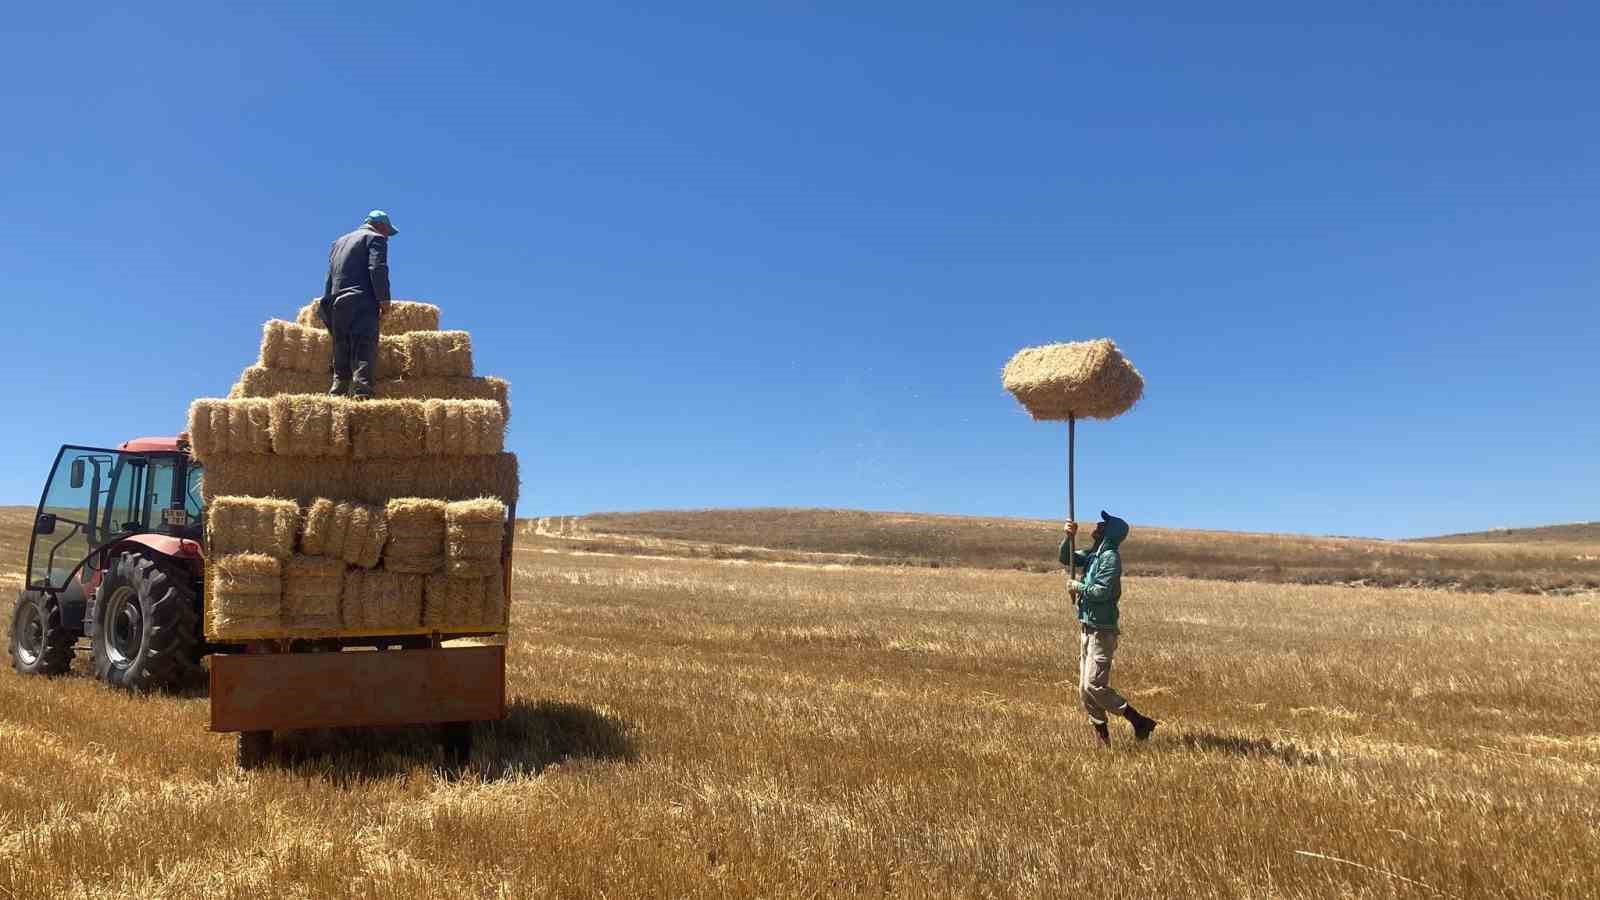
1086, 379
251, 525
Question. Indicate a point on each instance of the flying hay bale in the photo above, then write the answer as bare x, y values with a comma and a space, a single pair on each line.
376, 599
218, 427
304, 480
464, 427
416, 536
257, 381
246, 598
437, 354
403, 316
352, 532
252, 525
1085, 379
312, 586
453, 602
310, 425
390, 428
475, 534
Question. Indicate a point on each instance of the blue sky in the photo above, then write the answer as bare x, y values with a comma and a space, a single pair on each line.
776, 253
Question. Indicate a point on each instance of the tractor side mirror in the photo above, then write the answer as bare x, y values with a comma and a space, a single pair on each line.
45, 524
77, 473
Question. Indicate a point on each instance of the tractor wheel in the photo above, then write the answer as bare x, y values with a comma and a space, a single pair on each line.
255, 748
147, 636
40, 644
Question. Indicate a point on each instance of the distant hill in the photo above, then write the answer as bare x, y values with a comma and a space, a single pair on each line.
1576, 533
857, 537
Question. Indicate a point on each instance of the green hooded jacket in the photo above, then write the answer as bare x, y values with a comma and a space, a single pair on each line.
1101, 586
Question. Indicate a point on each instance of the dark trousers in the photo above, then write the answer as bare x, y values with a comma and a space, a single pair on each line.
354, 326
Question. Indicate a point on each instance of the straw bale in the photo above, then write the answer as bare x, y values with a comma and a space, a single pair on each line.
1086, 379
285, 345
246, 598
475, 534
403, 316
390, 428
257, 381
304, 479
378, 599
219, 427
252, 525
455, 602
352, 532
464, 427
304, 425
312, 586
416, 535
437, 353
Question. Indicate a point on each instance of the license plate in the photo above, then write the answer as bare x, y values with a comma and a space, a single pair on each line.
178, 518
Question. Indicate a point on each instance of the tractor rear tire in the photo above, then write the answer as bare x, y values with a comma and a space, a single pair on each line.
148, 630
40, 644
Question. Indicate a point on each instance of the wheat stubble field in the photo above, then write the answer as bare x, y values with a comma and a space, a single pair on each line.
734, 728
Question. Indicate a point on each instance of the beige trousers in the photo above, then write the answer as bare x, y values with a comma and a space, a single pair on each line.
1095, 651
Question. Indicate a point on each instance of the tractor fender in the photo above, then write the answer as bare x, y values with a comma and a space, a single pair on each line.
181, 550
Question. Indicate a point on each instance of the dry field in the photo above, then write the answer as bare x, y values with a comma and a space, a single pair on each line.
727, 728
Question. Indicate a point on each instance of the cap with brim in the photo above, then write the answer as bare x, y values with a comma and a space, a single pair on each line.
381, 217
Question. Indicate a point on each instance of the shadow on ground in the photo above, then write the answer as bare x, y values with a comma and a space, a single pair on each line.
533, 736
1286, 752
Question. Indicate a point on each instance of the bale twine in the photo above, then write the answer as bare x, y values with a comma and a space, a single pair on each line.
246, 597
456, 602
378, 599
464, 427
304, 425
438, 353
252, 525
353, 532
257, 381
403, 316
1086, 379
416, 536
305, 479
218, 427
387, 428
312, 586
475, 534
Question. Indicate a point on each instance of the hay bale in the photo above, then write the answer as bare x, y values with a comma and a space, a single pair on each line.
304, 480
1086, 379
464, 427
453, 602
257, 381
304, 425
375, 599
416, 536
437, 354
246, 598
475, 535
352, 532
388, 428
285, 345
403, 316
252, 525
218, 427
312, 586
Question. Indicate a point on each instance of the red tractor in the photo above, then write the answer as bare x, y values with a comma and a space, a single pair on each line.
117, 556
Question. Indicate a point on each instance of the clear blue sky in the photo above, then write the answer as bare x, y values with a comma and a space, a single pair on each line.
776, 253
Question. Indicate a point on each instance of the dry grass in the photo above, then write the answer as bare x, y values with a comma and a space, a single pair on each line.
704, 728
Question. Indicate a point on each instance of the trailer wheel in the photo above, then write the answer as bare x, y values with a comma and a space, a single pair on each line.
457, 740
254, 749
148, 634
40, 644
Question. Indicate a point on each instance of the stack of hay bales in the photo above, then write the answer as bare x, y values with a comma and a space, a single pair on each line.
327, 516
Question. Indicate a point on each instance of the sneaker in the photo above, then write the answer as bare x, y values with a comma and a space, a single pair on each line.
1142, 725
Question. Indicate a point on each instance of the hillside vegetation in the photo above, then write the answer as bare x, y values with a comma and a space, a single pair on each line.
1030, 545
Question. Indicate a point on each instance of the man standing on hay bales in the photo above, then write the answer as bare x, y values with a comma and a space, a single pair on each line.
354, 298
1096, 597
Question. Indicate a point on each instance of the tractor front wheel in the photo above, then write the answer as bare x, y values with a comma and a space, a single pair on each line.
147, 632
40, 644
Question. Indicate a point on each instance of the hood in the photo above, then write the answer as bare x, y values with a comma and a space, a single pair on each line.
1115, 530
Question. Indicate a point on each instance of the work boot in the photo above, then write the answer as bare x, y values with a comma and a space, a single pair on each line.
340, 388
1142, 724
1102, 731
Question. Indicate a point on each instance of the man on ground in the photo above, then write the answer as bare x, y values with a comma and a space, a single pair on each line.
1096, 597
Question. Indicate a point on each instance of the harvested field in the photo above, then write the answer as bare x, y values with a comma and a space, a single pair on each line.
706, 728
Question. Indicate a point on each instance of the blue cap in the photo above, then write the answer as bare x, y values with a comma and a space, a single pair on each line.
382, 218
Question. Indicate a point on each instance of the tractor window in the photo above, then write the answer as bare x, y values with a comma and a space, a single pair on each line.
69, 519
126, 511
192, 500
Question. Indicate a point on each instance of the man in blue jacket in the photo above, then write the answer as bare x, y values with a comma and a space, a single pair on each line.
1096, 597
354, 298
